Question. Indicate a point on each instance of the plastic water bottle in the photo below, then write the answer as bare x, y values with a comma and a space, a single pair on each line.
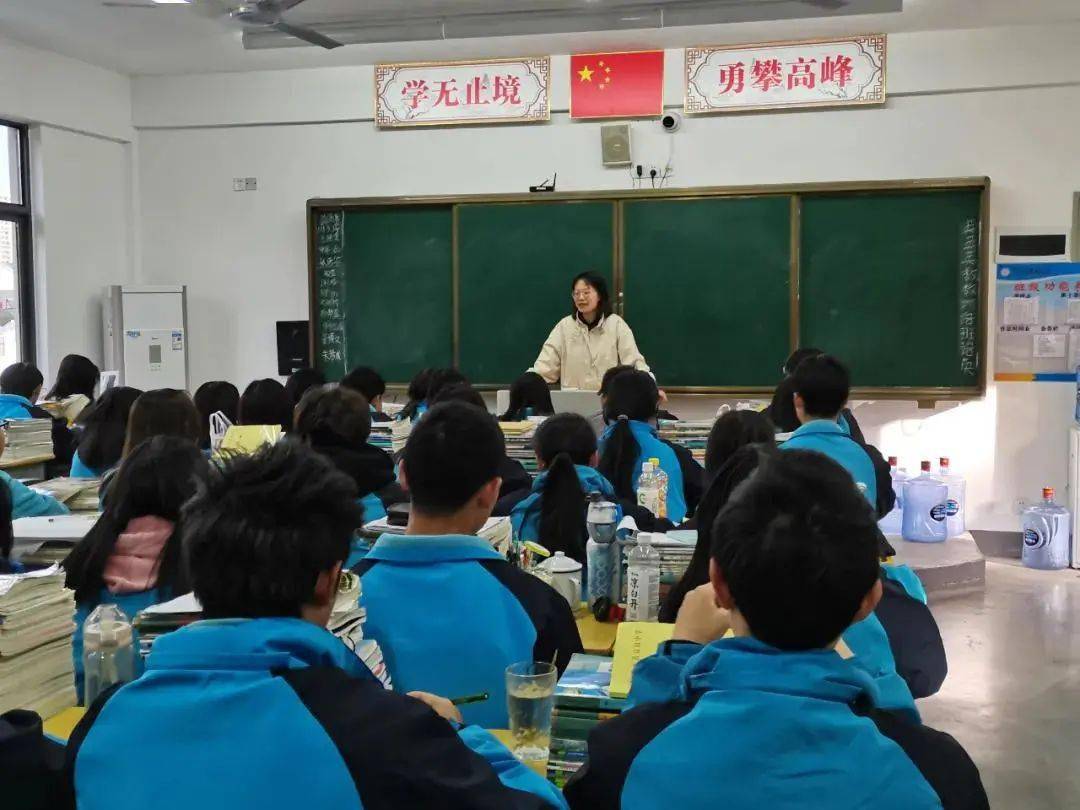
1047, 534
601, 550
643, 581
108, 654
925, 508
954, 506
893, 522
650, 494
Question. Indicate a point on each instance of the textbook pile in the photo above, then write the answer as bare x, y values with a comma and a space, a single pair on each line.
582, 699
390, 436
36, 626
78, 494
519, 443
28, 438
693, 434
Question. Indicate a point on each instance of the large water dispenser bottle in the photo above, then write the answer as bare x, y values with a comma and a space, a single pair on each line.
925, 508
893, 523
1047, 534
954, 506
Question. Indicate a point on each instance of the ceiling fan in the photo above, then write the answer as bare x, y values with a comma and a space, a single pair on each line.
261, 14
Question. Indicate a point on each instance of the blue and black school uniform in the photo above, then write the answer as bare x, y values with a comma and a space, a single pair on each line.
27, 503
525, 516
279, 713
744, 726
451, 614
914, 638
13, 406
686, 478
79, 469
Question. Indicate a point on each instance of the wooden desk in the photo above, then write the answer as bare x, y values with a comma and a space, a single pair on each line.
503, 736
60, 726
598, 638
25, 468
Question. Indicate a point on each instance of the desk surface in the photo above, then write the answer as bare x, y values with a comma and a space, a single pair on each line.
8, 464
598, 638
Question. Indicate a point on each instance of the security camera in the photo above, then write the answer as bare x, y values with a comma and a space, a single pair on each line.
671, 121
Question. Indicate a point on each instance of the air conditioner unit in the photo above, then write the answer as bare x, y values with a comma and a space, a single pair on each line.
145, 331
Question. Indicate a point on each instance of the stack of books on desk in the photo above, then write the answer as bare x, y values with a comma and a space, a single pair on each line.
519, 443
157, 620
390, 436
36, 626
78, 494
693, 434
28, 438
582, 699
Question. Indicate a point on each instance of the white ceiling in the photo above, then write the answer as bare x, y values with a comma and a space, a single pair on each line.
183, 39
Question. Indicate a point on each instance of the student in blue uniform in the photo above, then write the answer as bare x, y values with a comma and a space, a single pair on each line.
821, 385
553, 515
214, 397
529, 396
258, 705
630, 439
20, 387
102, 429
733, 430
449, 612
774, 717
264, 402
336, 423
781, 410
369, 383
132, 557
301, 381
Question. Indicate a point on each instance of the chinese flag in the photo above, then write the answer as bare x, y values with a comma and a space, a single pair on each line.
617, 85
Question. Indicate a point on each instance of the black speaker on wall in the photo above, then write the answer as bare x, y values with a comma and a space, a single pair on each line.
293, 351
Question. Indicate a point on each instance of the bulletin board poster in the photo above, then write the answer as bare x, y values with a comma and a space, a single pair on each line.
1038, 322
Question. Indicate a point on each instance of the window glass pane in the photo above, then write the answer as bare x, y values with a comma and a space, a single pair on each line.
10, 161
10, 316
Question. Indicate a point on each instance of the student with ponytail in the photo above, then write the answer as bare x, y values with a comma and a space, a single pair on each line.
553, 515
630, 438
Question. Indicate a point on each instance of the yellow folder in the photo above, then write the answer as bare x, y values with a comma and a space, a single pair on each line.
247, 439
634, 641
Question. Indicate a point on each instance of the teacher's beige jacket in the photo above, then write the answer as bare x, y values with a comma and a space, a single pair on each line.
578, 356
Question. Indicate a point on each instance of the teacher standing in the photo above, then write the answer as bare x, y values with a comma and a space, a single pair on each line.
588, 341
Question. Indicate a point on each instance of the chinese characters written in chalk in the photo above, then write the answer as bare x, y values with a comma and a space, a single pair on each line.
969, 298
330, 292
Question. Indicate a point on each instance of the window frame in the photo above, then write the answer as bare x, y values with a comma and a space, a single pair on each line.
21, 215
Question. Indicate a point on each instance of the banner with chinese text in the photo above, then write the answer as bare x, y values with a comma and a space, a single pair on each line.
480, 92
1038, 322
818, 73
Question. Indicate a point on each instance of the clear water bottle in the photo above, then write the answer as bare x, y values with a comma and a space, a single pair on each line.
954, 506
601, 550
108, 653
649, 491
893, 523
925, 508
1047, 534
643, 581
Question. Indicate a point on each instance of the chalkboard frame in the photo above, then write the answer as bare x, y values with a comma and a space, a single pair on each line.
924, 395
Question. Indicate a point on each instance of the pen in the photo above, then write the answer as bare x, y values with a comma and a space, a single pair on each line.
465, 700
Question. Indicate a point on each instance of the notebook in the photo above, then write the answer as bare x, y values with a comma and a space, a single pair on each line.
634, 641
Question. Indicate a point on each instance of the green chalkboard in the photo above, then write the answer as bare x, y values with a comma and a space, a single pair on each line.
395, 285
890, 283
516, 262
707, 287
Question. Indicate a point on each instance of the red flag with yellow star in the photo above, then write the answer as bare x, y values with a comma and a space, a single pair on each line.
617, 85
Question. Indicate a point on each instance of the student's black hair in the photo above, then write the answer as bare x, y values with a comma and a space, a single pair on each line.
333, 415
104, 427
261, 530
609, 375
7, 532
824, 384
732, 431
76, 375
797, 357
366, 381
528, 391
418, 392
598, 283
265, 402
156, 478
214, 396
300, 381
797, 545
631, 396
451, 453
561, 442
21, 379
459, 392
441, 378
162, 412
738, 467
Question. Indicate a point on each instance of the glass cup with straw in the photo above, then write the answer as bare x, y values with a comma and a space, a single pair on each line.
530, 698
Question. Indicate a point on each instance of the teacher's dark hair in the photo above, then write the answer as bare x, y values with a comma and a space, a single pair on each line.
561, 442
598, 283
631, 396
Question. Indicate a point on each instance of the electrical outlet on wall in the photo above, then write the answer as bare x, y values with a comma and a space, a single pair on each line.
250, 184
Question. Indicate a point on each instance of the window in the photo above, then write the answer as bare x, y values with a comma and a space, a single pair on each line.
16, 254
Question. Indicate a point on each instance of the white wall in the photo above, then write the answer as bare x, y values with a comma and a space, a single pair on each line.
243, 255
